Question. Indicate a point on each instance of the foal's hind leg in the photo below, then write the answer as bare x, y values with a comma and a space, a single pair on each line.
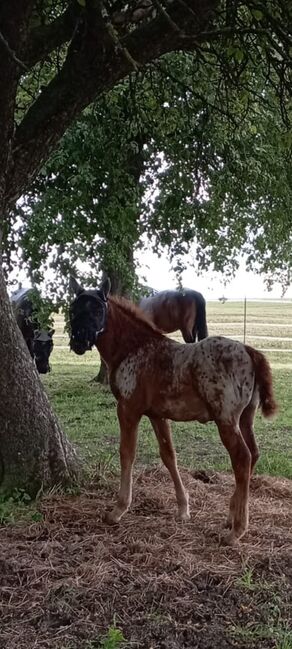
167, 453
246, 427
241, 462
128, 442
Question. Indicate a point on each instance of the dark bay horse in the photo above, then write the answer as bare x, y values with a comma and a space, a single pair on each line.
216, 379
39, 341
174, 310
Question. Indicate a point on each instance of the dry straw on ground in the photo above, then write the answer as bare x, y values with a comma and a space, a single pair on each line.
66, 580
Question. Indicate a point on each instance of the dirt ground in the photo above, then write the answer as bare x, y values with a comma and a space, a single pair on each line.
68, 578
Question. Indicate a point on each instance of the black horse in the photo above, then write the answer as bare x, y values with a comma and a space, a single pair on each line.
39, 341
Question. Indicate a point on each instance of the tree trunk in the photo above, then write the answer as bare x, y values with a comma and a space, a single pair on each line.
120, 286
34, 452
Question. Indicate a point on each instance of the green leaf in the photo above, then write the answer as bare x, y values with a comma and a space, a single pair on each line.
257, 14
238, 55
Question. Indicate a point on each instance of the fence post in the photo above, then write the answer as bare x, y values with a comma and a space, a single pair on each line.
244, 321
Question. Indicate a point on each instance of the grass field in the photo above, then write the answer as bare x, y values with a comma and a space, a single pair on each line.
87, 410
70, 581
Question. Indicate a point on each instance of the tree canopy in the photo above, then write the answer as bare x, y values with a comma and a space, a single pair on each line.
65, 54
160, 154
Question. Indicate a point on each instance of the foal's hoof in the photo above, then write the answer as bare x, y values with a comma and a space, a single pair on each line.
110, 518
183, 513
183, 517
228, 539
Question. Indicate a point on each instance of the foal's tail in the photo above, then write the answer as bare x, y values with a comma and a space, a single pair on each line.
264, 381
200, 327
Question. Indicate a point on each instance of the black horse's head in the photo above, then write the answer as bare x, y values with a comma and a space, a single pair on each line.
39, 341
42, 348
87, 315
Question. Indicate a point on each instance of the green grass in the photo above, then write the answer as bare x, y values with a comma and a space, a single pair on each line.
272, 621
18, 505
113, 639
87, 410
256, 311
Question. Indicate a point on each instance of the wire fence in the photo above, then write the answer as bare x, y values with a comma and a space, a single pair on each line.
263, 323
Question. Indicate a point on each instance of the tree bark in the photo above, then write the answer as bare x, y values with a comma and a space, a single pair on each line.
34, 452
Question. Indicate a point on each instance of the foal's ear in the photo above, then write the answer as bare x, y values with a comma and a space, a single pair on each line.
74, 286
105, 288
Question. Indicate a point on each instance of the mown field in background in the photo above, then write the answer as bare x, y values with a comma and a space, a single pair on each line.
87, 410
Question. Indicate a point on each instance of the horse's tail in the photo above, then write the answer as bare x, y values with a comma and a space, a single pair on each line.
200, 327
264, 381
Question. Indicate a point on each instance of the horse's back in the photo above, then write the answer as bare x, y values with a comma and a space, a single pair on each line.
19, 297
21, 304
173, 310
162, 309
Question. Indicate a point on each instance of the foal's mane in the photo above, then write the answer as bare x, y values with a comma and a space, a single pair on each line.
134, 313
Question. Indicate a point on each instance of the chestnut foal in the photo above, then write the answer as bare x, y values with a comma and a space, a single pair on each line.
216, 379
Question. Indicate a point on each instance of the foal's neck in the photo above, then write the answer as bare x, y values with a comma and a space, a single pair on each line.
124, 334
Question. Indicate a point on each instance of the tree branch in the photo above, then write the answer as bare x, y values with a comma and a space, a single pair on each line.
13, 17
93, 65
45, 39
12, 53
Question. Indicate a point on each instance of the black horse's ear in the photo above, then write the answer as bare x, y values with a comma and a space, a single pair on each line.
74, 286
105, 288
51, 332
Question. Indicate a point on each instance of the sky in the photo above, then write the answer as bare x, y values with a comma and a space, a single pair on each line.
159, 275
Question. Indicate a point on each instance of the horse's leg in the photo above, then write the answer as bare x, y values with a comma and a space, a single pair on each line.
187, 335
241, 462
189, 320
167, 453
128, 441
246, 427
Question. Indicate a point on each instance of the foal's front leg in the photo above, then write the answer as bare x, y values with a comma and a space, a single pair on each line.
162, 431
128, 441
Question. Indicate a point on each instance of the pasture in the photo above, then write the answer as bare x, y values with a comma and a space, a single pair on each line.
71, 582
87, 411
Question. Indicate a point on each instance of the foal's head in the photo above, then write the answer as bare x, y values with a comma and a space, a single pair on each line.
88, 314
